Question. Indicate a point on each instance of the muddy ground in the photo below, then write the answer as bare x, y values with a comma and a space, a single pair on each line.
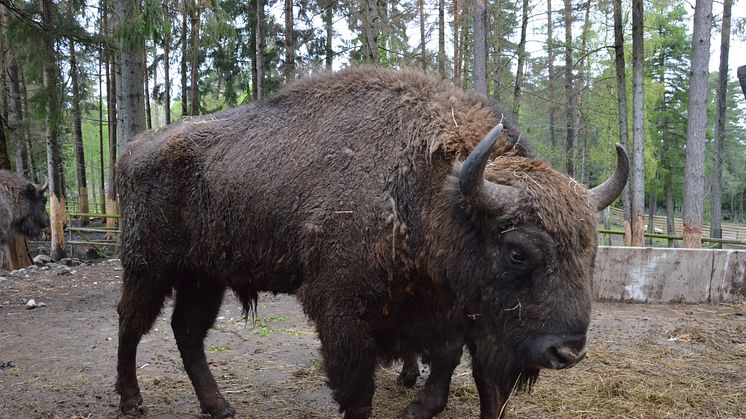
58, 361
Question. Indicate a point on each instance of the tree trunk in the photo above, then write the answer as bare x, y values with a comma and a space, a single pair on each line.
441, 39
670, 225
102, 176
146, 88
621, 90
252, 48
456, 52
423, 50
260, 49
329, 25
33, 174
16, 114
371, 31
697, 125
129, 76
167, 63
111, 96
480, 48
638, 125
4, 157
717, 162
577, 115
652, 204
54, 163
78, 130
184, 58
521, 61
289, 42
194, 92
570, 146
552, 79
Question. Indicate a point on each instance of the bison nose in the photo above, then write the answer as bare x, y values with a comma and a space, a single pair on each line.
564, 351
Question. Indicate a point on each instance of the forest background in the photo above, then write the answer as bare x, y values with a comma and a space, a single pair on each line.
80, 78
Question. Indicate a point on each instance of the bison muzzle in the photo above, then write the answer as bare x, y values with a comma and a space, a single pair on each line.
401, 212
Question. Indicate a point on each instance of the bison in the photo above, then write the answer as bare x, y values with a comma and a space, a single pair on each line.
22, 208
368, 194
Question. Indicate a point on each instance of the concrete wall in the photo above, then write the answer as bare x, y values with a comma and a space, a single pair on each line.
659, 275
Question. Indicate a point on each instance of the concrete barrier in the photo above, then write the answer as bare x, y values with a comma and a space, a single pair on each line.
661, 275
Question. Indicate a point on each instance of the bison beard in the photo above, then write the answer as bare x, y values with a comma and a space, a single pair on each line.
348, 190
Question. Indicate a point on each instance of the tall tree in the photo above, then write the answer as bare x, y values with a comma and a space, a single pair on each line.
638, 125
185, 7
570, 143
194, 79
54, 162
621, 91
329, 25
423, 53
80, 168
167, 61
289, 42
371, 31
456, 43
717, 162
260, 45
694, 178
102, 176
130, 71
480, 47
15, 113
441, 39
552, 78
581, 85
521, 61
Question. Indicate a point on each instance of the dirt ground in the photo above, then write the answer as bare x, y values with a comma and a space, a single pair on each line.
58, 361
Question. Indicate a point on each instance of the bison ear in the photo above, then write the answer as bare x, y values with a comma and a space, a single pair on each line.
30, 189
604, 194
483, 195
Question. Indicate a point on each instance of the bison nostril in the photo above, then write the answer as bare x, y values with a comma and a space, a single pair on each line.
565, 356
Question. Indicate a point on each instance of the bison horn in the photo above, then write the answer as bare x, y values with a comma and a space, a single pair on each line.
484, 195
604, 194
45, 186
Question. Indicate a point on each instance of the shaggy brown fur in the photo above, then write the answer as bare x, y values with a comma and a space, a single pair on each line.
341, 190
21, 208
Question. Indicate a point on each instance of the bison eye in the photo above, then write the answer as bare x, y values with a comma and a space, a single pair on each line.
517, 257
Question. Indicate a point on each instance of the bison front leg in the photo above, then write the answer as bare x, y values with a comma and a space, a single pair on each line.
138, 309
409, 372
432, 399
349, 361
197, 306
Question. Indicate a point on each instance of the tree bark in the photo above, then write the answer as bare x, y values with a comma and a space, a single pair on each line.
15, 115
423, 50
260, 49
111, 97
456, 52
521, 61
638, 125
697, 125
102, 176
552, 79
441, 39
621, 90
570, 142
146, 89
184, 58
480, 48
329, 25
717, 162
371, 31
289, 42
129, 75
579, 93
167, 63
78, 129
54, 162
194, 91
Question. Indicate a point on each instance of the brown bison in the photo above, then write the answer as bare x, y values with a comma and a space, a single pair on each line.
22, 208
368, 195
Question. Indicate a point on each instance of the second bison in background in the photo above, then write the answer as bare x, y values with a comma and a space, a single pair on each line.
22, 208
351, 191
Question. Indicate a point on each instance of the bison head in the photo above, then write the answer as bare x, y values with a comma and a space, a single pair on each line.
527, 248
31, 215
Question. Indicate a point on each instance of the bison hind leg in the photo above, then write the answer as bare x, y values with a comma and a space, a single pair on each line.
197, 305
409, 372
138, 309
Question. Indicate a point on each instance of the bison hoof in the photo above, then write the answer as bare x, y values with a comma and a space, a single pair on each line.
222, 413
132, 406
407, 380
